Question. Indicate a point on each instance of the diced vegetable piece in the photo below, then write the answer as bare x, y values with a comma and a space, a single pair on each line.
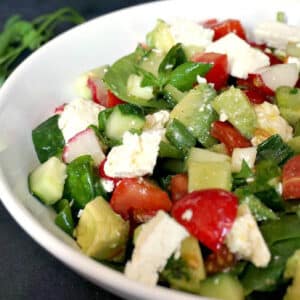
208, 215
173, 166
274, 148
218, 74
204, 175
185, 75
48, 139
196, 113
47, 180
136, 195
186, 272
288, 101
293, 271
207, 169
85, 142
151, 62
170, 151
292, 49
291, 178
179, 136
280, 75
82, 181
135, 88
64, 218
172, 93
101, 233
294, 143
224, 27
229, 136
160, 37
113, 100
236, 106
240, 155
222, 286
123, 117
178, 186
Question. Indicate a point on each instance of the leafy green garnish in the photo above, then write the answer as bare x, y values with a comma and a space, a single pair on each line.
176, 269
20, 35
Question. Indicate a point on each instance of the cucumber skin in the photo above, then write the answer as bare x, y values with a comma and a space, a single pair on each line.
48, 139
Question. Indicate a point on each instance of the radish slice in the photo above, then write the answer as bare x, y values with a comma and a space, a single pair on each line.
85, 142
280, 75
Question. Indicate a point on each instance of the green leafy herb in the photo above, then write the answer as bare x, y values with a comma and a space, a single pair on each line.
176, 269
20, 35
64, 218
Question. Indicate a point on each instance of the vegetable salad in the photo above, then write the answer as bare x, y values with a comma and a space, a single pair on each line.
179, 163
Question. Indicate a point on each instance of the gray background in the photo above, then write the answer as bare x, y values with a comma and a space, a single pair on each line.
26, 270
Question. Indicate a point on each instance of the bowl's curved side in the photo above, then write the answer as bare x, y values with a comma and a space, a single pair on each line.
44, 80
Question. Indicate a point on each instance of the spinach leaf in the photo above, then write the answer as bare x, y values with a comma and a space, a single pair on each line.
173, 59
185, 75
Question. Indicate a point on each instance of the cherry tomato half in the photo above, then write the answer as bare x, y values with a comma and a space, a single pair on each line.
133, 195
207, 214
291, 178
178, 186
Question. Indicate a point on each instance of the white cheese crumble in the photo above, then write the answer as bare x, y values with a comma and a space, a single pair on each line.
242, 154
108, 185
190, 33
201, 79
242, 58
187, 215
246, 240
276, 34
270, 121
156, 242
77, 116
157, 120
136, 156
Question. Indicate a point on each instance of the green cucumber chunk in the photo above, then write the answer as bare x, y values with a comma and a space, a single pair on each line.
239, 111
64, 218
197, 114
207, 169
101, 233
288, 101
179, 136
124, 117
222, 286
170, 151
82, 183
47, 181
151, 62
205, 175
48, 139
294, 143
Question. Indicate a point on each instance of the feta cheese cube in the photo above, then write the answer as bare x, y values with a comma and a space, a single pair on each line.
294, 60
276, 34
157, 120
270, 122
239, 154
246, 240
190, 33
242, 58
156, 242
77, 116
136, 156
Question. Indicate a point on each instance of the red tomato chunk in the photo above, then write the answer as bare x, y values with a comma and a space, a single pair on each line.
291, 178
207, 214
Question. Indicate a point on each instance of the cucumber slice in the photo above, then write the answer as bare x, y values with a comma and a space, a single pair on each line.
240, 113
48, 139
47, 181
124, 117
223, 286
205, 175
151, 62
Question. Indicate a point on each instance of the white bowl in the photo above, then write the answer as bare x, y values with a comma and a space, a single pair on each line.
45, 80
